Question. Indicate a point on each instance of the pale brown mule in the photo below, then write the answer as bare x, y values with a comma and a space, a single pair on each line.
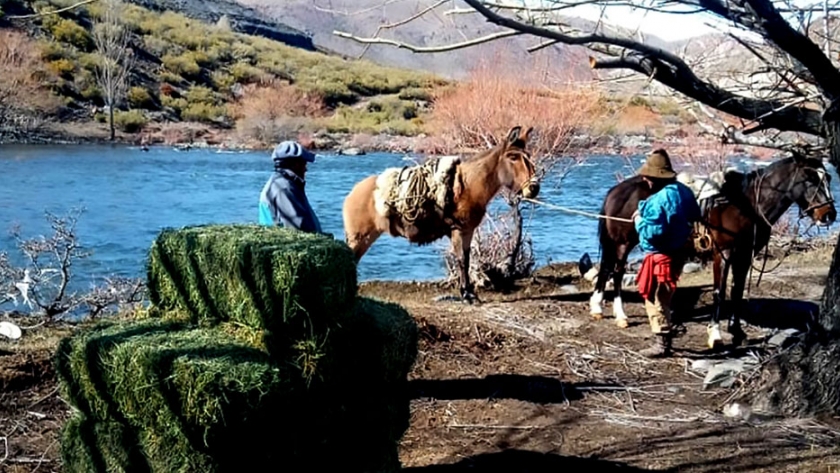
477, 181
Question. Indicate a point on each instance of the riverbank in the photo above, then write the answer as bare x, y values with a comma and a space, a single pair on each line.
528, 381
197, 135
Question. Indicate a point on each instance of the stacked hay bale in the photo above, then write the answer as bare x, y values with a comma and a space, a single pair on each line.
257, 352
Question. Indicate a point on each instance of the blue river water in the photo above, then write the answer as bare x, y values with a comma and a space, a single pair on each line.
130, 195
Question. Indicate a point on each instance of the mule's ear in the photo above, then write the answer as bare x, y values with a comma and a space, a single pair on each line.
525, 137
513, 134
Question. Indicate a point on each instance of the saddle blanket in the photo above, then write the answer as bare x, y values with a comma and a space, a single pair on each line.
408, 188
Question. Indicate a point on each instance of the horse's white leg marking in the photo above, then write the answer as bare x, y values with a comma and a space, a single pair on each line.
595, 304
714, 335
618, 310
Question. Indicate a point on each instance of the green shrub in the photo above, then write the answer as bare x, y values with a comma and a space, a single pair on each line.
222, 80
139, 97
71, 33
171, 78
415, 93
177, 104
62, 67
204, 113
157, 46
131, 121
246, 73
198, 94
183, 65
53, 51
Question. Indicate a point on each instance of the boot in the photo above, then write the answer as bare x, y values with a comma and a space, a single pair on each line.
661, 346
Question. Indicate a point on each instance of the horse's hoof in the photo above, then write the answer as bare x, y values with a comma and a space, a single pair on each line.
469, 298
597, 316
621, 323
738, 338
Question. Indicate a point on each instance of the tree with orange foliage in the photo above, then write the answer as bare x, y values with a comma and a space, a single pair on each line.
475, 113
274, 110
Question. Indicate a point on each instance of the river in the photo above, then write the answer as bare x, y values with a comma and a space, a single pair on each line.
130, 195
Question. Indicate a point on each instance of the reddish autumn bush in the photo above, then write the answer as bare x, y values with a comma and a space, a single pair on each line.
22, 76
475, 113
275, 110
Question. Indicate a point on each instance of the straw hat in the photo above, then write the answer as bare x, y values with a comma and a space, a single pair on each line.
658, 165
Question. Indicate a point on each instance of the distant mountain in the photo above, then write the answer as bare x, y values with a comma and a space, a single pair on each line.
241, 19
362, 18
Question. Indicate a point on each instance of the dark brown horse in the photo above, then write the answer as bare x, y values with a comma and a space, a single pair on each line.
739, 222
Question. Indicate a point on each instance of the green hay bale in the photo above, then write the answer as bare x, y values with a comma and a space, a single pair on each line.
98, 447
200, 398
383, 338
379, 347
196, 389
196, 399
294, 285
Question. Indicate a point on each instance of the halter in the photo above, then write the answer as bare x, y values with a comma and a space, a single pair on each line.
529, 163
822, 185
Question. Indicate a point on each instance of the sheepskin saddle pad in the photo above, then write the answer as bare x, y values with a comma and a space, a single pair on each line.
411, 191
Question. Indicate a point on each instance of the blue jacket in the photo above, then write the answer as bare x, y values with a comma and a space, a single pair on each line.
283, 202
666, 219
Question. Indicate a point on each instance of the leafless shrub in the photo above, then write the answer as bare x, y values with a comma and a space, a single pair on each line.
501, 252
43, 283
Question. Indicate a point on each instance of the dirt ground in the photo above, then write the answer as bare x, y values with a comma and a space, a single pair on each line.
528, 382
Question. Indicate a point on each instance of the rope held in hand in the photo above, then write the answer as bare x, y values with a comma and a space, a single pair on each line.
578, 212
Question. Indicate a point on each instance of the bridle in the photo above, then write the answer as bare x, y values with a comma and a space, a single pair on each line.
529, 164
821, 186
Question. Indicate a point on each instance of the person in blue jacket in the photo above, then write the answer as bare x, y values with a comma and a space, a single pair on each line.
283, 198
664, 222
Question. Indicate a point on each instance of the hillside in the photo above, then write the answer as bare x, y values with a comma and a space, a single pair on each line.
201, 76
362, 17
190, 71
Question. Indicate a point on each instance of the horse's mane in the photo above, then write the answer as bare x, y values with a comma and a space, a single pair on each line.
775, 165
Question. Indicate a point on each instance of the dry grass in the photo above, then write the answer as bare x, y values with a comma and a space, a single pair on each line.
22, 83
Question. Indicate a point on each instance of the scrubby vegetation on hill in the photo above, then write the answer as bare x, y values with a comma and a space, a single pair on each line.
187, 70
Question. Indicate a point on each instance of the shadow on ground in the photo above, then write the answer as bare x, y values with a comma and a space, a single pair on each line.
740, 448
536, 389
523, 461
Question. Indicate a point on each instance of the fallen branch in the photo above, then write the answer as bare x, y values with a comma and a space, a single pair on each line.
503, 427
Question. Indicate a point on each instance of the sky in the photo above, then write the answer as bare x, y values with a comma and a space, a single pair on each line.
666, 26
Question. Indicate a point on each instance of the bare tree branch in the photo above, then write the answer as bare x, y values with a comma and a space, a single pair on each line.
52, 12
668, 69
429, 49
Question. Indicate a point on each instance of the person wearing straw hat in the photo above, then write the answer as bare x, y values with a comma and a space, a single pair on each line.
283, 199
664, 222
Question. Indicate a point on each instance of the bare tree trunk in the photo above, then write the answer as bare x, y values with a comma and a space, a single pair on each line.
806, 380
112, 41
517, 236
111, 121
829, 317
